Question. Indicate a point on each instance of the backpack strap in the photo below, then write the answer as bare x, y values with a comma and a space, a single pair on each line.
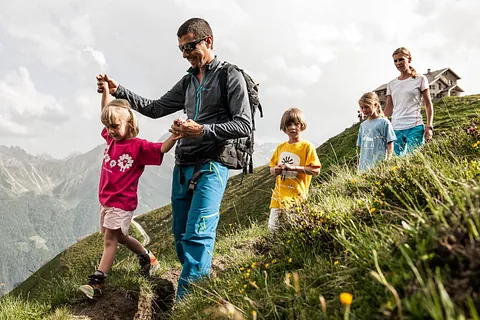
224, 71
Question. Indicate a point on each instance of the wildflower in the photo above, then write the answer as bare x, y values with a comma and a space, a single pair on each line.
242, 291
266, 265
274, 260
253, 225
290, 260
244, 286
383, 194
246, 275
372, 210
226, 234
242, 268
346, 298
354, 181
254, 315
395, 168
254, 264
229, 224
336, 262
378, 183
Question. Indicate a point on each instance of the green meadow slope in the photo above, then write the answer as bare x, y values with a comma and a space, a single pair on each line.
403, 239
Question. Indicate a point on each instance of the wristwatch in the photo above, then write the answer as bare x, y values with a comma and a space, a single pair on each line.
430, 127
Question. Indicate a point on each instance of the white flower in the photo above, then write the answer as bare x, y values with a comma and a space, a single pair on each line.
106, 156
124, 162
113, 163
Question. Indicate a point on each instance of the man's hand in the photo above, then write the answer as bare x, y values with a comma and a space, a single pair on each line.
186, 129
102, 79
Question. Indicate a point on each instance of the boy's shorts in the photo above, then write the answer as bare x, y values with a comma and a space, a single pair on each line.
115, 218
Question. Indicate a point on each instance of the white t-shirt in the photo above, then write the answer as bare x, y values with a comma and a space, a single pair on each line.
406, 96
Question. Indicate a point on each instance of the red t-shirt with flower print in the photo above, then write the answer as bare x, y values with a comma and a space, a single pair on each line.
123, 164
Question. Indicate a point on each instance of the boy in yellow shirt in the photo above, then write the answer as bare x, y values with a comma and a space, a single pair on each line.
293, 163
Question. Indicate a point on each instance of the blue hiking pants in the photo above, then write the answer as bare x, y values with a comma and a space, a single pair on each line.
408, 140
195, 216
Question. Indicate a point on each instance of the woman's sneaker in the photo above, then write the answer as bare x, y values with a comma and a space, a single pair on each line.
94, 288
148, 263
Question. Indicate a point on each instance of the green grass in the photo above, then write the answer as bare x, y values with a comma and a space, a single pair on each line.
402, 238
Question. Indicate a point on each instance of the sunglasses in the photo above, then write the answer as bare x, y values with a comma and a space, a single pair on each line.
398, 60
190, 46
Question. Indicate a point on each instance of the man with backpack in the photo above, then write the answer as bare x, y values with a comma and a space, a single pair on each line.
220, 101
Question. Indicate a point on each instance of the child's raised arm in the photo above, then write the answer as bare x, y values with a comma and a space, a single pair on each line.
105, 93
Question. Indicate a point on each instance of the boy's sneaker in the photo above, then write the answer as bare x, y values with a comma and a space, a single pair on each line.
148, 263
94, 288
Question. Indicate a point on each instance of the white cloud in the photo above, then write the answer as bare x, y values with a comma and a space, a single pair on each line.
284, 92
99, 58
9, 127
21, 102
319, 55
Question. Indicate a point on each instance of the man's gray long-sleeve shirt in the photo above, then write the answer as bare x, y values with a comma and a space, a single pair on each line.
201, 101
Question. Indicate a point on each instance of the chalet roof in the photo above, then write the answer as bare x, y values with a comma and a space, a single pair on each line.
457, 88
432, 76
382, 87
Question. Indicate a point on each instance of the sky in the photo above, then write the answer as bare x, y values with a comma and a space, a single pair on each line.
319, 56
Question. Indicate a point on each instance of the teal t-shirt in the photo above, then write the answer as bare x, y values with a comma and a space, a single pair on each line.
373, 138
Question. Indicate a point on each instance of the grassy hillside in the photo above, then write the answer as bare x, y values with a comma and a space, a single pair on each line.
403, 239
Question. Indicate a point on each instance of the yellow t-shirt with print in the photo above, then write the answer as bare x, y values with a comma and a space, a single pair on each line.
292, 185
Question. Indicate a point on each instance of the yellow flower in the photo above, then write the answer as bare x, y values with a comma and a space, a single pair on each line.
336, 262
274, 260
226, 234
395, 168
290, 260
253, 225
254, 264
242, 291
372, 210
266, 265
378, 183
244, 286
242, 268
383, 194
254, 315
346, 298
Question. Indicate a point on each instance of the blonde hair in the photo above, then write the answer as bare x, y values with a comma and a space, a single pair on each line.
406, 53
292, 115
119, 109
371, 99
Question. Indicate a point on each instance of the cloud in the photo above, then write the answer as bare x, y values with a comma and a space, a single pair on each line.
284, 92
306, 75
21, 102
99, 58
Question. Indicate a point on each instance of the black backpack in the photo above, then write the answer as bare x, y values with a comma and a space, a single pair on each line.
238, 153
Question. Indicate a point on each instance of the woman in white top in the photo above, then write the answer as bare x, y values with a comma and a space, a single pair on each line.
404, 95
